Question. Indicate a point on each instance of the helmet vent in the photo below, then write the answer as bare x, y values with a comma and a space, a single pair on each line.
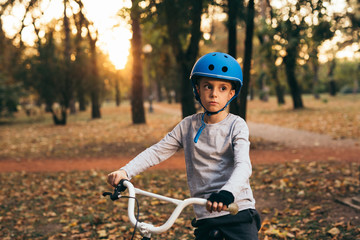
224, 69
211, 67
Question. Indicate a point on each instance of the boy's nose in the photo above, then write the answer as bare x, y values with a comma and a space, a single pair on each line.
214, 93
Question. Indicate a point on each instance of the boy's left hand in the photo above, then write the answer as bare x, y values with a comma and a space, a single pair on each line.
215, 206
219, 201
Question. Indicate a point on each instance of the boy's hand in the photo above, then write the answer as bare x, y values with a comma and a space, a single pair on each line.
114, 178
219, 201
215, 206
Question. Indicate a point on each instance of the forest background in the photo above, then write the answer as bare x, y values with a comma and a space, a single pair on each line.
293, 48
301, 70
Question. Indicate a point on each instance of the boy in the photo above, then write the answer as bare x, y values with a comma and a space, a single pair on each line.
216, 148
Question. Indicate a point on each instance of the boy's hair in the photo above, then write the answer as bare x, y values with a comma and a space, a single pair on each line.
198, 79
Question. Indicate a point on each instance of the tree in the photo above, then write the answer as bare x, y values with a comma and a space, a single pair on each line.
10, 89
290, 28
320, 33
81, 64
295, 22
190, 11
330, 75
94, 79
320, 29
291, 32
247, 57
265, 35
137, 101
71, 78
233, 13
352, 33
44, 73
66, 88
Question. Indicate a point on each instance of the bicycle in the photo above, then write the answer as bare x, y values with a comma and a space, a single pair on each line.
147, 229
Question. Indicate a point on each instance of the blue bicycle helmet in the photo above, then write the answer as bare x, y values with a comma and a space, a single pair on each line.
217, 65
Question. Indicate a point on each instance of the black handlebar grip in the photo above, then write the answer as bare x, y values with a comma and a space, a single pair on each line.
118, 189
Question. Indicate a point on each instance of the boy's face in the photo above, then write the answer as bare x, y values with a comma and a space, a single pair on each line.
214, 94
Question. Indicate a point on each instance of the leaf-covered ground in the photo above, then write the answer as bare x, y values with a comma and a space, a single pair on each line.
37, 137
336, 116
296, 201
112, 135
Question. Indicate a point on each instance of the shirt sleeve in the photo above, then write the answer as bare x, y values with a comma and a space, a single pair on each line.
239, 179
155, 154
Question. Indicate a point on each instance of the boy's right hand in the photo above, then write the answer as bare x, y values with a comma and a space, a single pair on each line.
114, 178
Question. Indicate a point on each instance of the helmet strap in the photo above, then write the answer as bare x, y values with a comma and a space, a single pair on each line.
203, 124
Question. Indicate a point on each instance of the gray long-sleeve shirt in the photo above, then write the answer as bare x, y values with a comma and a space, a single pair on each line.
218, 161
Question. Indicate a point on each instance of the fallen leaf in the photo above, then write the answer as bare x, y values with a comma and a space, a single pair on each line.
334, 231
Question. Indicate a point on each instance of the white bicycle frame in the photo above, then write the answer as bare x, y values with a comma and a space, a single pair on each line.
147, 229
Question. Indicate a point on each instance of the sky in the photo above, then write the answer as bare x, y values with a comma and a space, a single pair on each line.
114, 33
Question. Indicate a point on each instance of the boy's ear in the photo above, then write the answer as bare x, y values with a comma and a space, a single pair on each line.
197, 89
232, 93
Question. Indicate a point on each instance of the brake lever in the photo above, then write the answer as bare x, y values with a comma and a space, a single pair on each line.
118, 189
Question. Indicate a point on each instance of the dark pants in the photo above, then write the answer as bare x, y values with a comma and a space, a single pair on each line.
242, 226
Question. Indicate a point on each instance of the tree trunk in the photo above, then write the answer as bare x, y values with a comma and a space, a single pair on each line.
290, 65
247, 57
316, 75
66, 87
82, 101
233, 7
79, 61
117, 93
159, 92
95, 83
137, 101
232, 37
279, 89
95, 104
187, 59
59, 120
332, 84
187, 95
95, 88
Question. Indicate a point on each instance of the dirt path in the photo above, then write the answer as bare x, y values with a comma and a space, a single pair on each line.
295, 138
177, 161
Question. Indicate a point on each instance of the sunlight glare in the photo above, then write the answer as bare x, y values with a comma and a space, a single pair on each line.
114, 33
117, 46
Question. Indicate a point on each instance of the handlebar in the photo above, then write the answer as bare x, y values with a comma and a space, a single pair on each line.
145, 228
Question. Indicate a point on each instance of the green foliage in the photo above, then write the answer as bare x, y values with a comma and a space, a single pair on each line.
10, 93
346, 72
44, 71
322, 32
